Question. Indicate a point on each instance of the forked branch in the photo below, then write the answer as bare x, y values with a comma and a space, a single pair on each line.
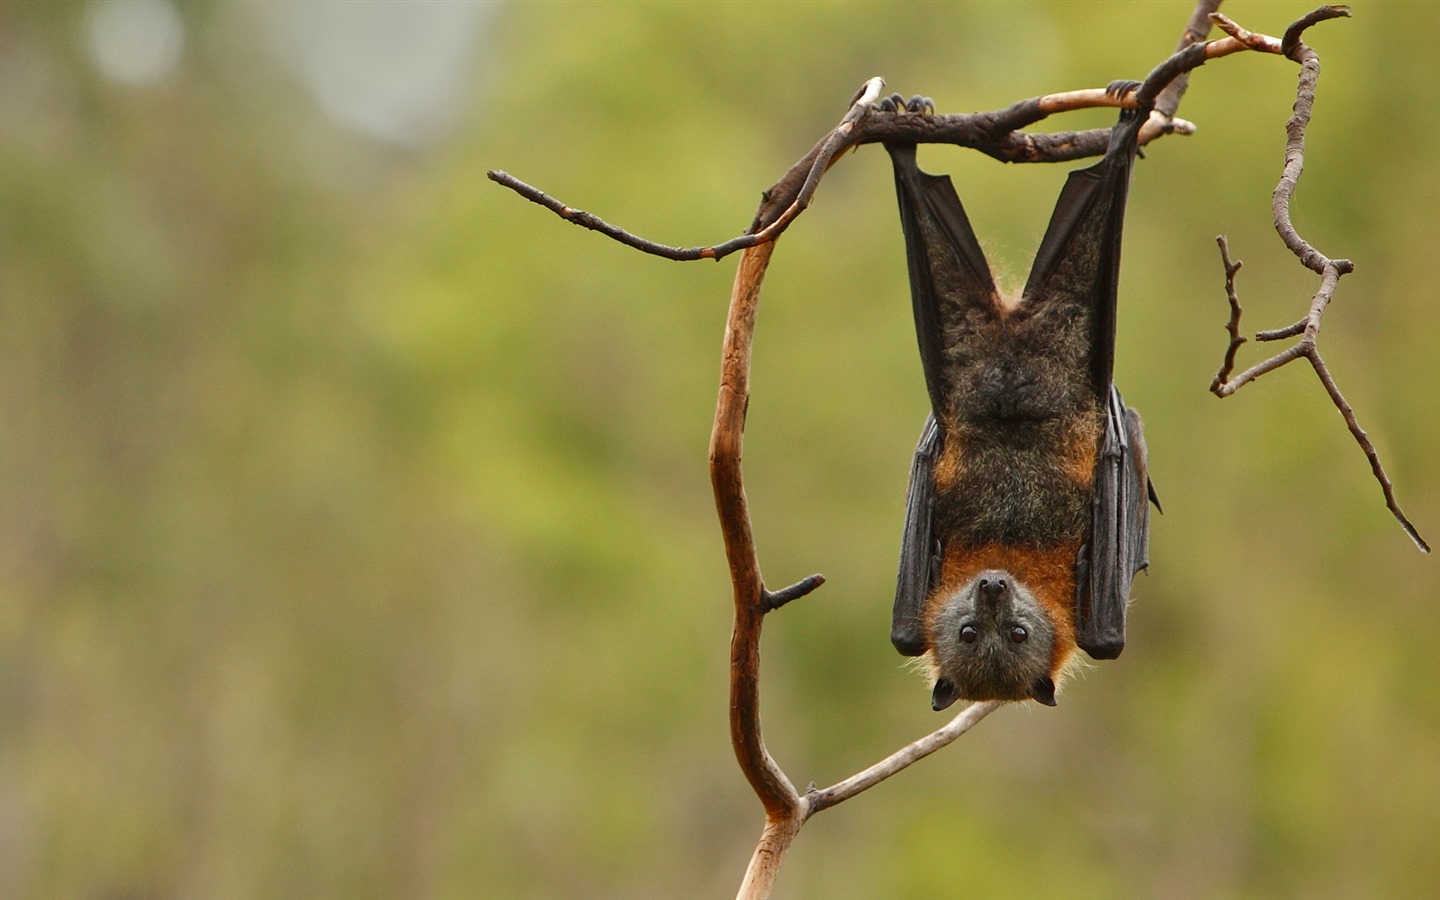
786, 810
1307, 329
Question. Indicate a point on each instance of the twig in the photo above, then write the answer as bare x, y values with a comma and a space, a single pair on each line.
595, 223
1196, 30
1233, 326
1307, 330
966, 719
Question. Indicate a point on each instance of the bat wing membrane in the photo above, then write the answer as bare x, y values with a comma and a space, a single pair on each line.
1078, 262
948, 273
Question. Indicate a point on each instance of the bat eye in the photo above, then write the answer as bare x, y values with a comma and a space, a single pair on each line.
968, 634
1018, 634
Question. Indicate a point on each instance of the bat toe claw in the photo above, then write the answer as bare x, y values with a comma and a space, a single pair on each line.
916, 105
1121, 87
894, 103
921, 105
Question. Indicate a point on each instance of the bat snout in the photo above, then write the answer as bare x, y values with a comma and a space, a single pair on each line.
993, 592
993, 584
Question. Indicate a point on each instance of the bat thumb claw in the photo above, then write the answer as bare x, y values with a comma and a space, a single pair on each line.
1043, 691
945, 694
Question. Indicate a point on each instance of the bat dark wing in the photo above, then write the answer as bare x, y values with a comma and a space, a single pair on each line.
1078, 263
1120, 540
919, 554
949, 277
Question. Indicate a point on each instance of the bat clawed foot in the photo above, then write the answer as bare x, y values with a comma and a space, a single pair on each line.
1121, 87
916, 105
1120, 90
921, 105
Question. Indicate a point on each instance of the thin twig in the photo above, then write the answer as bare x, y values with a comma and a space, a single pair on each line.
1196, 31
1233, 326
967, 718
595, 223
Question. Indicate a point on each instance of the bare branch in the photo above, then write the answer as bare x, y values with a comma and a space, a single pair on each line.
1246, 40
966, 719
1307, 330
998, 134
1196, 31
1280, 334
594, 222
1386, 487
775, 791
1233, 326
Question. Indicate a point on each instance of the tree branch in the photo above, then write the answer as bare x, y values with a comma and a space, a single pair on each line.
998, 134
966, 719
1307, 330
775, 791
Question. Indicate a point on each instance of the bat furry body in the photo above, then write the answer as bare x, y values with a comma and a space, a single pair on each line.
1026, 518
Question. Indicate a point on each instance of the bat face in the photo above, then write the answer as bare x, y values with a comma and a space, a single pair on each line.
991, 639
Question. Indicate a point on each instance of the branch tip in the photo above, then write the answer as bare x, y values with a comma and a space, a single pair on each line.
773, 600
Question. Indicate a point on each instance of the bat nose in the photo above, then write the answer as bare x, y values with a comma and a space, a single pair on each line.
992, 586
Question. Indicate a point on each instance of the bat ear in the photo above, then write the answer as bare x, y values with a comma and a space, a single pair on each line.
1043, 691
945, 693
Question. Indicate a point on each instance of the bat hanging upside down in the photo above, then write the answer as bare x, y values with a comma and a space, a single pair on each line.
1026, 518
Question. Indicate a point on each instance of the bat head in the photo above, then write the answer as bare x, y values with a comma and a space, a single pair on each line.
992, 640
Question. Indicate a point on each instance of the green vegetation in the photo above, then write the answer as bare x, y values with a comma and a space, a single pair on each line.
355, 532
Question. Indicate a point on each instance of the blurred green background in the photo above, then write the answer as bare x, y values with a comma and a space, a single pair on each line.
356, 538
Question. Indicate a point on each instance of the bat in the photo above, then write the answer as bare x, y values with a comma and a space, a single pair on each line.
1026, 517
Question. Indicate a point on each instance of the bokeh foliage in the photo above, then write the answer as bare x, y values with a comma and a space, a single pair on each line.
355, 532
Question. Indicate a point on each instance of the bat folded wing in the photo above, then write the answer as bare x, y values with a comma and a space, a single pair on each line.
919, 554
1120, 539
949, 277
